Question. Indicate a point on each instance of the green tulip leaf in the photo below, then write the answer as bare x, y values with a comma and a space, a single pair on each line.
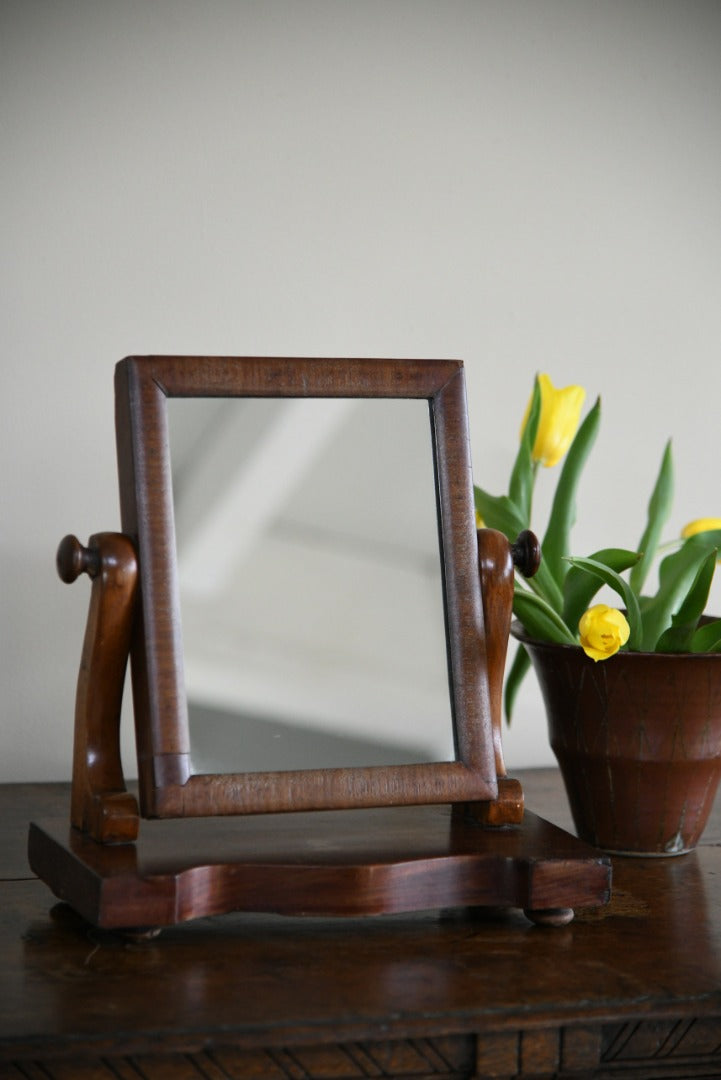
580, 587
707, 638
523, 476
556, 542
684, 623
624, 590
677, 575
543, 584
704, 541
659, 508
516, 674
539, 619
499, 512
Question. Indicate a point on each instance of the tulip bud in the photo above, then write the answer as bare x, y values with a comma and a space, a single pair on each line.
603, 631
558, 422
700, 525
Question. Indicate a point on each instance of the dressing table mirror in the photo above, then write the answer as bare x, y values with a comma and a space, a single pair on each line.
283, 506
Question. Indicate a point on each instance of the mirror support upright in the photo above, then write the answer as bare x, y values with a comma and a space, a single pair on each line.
497, 559
101, 806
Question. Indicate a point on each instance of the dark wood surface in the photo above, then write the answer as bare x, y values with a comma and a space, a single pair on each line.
632, 989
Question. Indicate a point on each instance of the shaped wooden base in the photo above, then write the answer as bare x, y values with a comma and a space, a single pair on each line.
346, 862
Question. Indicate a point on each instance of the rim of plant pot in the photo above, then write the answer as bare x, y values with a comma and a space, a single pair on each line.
520, 633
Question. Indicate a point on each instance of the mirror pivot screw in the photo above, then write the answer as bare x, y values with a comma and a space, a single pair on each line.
526, 553
73, 559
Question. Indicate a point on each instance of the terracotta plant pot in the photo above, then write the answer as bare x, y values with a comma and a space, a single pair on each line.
638, 741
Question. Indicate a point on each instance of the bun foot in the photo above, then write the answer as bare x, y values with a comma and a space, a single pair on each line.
549, 916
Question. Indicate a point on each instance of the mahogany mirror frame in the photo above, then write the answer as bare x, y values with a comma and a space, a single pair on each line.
168, 787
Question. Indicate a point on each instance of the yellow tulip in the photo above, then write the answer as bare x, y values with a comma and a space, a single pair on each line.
480, 523
603, 631
557, 425
700, 525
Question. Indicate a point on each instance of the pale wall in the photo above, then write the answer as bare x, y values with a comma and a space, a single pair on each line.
523, 185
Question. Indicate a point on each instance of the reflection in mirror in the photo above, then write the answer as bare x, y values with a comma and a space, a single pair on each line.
310, 581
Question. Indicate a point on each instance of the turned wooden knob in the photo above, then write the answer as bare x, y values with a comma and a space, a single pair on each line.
73, 559
526, 553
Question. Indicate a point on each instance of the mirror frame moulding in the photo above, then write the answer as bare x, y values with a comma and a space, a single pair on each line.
168, 787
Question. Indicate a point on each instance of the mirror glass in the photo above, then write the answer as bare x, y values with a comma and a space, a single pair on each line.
310, 583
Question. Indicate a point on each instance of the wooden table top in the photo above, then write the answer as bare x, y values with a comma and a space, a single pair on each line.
633, 988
